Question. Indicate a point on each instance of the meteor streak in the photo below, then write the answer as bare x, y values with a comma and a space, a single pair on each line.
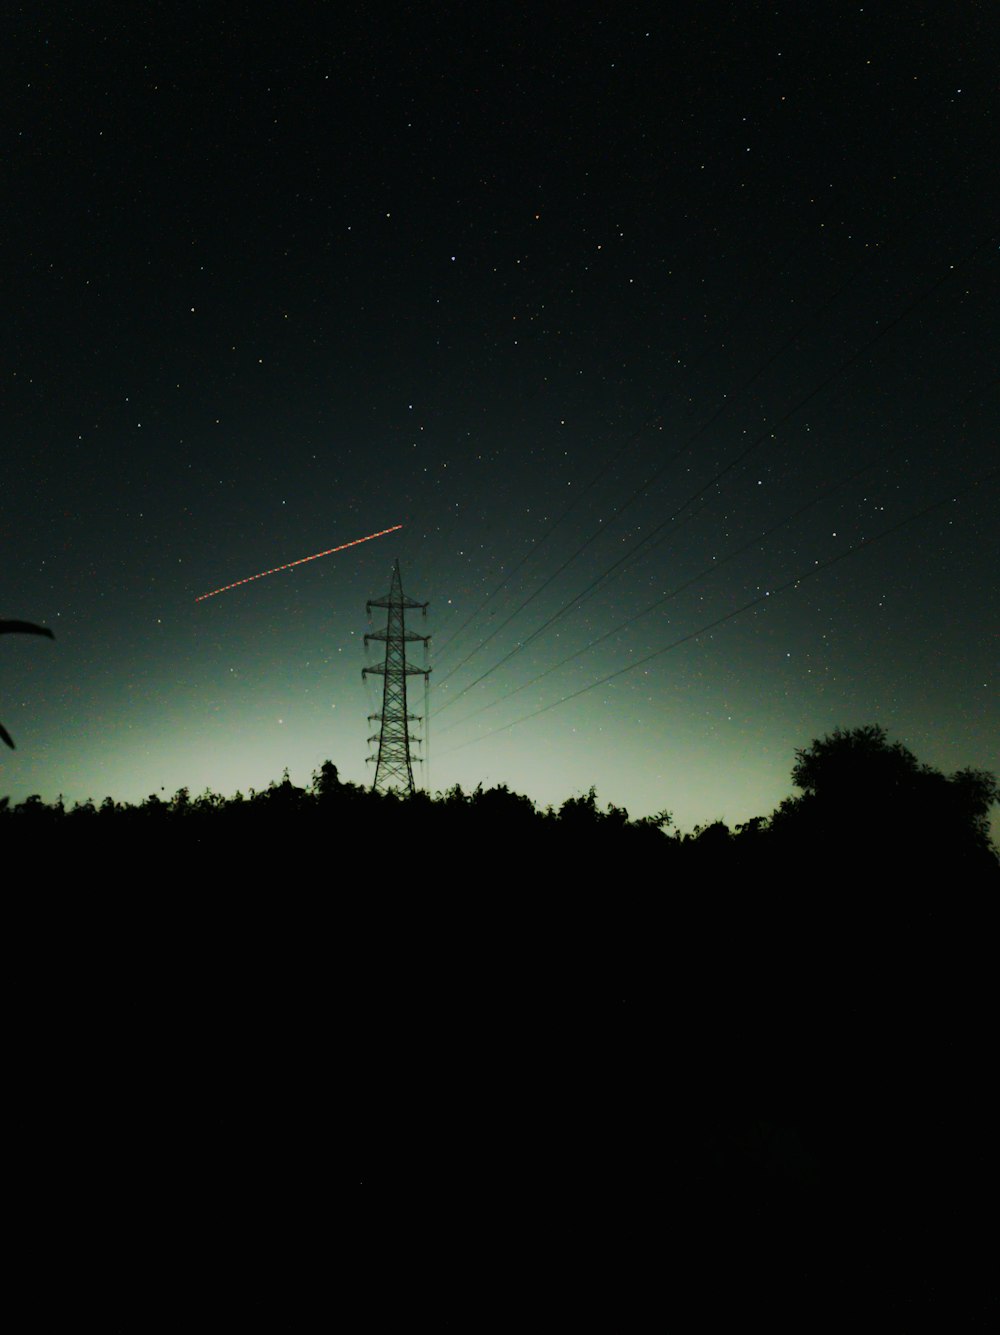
301, 561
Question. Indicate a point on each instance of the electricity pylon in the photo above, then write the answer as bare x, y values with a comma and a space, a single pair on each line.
394, 763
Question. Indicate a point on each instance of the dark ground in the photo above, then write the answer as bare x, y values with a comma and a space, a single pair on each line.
572, 1077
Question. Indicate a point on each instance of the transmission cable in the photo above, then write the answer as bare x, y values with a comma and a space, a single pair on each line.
735, 302
746, 607
879, 249
616, 457
702, 574
591, 588
707, 571
640, 490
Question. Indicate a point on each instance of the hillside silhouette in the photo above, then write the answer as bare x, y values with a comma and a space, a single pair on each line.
762, 1051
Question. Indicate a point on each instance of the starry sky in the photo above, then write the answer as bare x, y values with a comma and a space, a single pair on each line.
652, 326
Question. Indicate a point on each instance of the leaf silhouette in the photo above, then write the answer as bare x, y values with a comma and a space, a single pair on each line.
24, 628
20, 628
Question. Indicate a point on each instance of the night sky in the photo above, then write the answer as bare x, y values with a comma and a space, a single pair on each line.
714, 286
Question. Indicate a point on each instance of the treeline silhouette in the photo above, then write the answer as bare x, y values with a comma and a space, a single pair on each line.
867, 808
757, 1060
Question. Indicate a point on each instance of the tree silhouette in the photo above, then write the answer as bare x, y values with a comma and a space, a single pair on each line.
852, 761
326, 781
20, 628
860, 789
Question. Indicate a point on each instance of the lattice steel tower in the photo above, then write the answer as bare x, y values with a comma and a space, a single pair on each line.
394, 763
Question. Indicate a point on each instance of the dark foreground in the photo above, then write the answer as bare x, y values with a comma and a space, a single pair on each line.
317, 1056
465, 1084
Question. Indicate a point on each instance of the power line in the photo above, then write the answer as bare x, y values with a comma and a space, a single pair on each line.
591, 588
638, 491
746, 607
650, 481
709, 570
540, 542
603, 472
702, 574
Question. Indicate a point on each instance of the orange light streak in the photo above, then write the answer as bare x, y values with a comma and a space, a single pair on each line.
301, 561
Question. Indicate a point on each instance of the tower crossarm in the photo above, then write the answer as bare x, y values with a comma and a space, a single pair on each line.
401, 601
407, 635
380, 670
